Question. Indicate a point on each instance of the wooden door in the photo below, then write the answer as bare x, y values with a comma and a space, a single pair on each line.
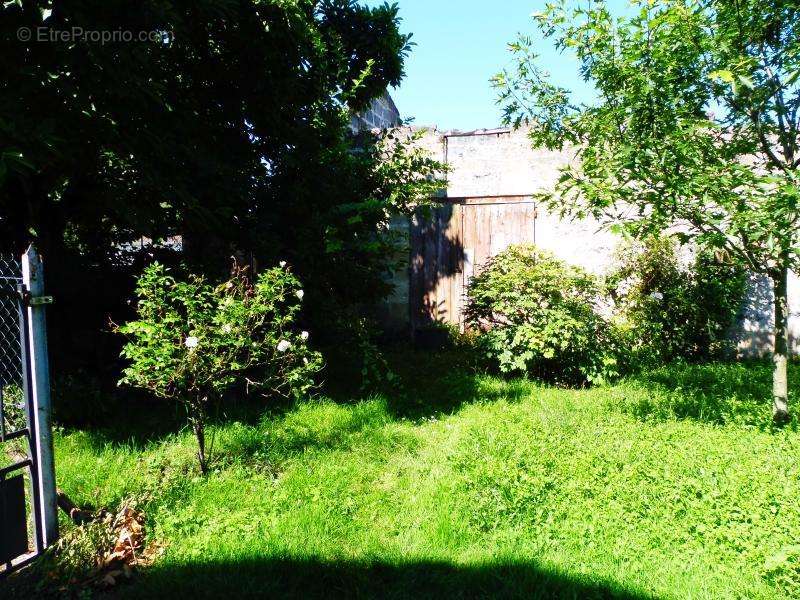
453, 243
436, 266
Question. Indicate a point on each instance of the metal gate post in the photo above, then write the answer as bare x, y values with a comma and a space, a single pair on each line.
30, 417
33, 279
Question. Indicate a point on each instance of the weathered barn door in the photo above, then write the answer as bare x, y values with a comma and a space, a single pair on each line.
453, 242
437, 261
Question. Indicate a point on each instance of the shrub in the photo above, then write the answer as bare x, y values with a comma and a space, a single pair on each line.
673, 309
540, 316
193, 341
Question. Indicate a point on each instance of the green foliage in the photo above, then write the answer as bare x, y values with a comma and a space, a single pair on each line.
783, 570
540, 316
193, 341
13, 407
695, 125
717, 393
358, 361
408, 177
696, 119
671, 310
504, 489
229, 127
337, 226
187, 125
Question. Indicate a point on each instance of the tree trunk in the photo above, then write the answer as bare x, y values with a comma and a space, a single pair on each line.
200, 434
780, 356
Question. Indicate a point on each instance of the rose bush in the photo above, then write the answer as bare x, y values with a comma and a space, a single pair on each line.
192, 341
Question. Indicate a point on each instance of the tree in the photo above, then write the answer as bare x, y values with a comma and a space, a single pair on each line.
332, 222
223, 121
694, 128
193, 341
176, 129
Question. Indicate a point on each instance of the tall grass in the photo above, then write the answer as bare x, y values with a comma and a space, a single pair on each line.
669, 486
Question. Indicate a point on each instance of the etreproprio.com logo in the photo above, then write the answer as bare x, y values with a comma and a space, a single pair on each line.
92, 36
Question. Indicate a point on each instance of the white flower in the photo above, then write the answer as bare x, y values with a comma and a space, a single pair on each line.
282, 264
304, 335
191, 342
227, 328
300, 294
625, 286
305, 361
657, 296
283, 346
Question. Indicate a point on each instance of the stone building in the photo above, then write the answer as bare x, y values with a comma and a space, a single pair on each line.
382, 113
488, 205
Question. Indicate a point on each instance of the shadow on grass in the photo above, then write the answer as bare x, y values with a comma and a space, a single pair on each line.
435, 384
717, 393
428, 384
270, 578
135, 425
146, 420
424, 384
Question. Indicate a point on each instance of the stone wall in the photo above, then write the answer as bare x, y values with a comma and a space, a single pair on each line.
497, 162
501, 163
381, 114
753, 329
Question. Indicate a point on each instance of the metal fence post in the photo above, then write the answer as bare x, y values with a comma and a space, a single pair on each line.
33, 278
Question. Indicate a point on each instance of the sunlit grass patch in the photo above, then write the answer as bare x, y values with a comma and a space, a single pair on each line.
516, 490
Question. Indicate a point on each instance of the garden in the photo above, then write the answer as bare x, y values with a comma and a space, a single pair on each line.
669, 486
230, 417
517, 460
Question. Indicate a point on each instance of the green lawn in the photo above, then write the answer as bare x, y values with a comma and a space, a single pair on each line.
670, 486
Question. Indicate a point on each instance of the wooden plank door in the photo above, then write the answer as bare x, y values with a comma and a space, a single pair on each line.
490, 225
453, 242
436, 279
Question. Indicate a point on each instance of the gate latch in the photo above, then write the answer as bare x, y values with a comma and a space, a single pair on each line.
28, 300
39, 300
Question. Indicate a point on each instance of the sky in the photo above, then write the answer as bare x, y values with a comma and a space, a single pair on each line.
460, 45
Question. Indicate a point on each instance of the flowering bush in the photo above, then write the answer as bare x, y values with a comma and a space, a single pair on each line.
539, 316
192, 341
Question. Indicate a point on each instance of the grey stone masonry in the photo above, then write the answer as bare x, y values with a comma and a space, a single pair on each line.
381, 114
496, 163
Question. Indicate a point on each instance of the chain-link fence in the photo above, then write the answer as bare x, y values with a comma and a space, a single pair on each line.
28, 517
12, 407
15, 482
